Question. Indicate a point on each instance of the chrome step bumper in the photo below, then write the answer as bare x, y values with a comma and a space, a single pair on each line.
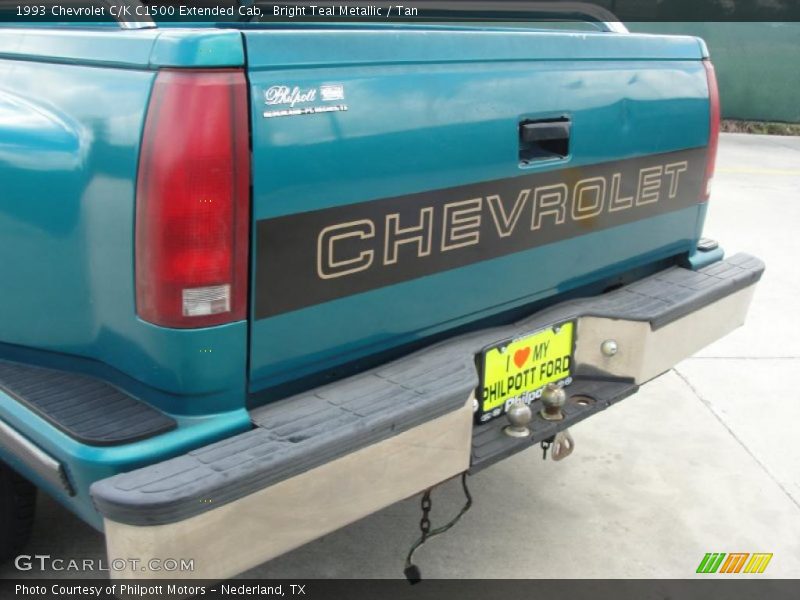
318, 461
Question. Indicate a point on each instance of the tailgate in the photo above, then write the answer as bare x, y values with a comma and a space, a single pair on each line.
409, 181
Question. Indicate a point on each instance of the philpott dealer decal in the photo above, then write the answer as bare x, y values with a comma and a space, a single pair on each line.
291, 101
313, 257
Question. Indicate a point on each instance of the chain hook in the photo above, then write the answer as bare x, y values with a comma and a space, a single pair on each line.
563, 445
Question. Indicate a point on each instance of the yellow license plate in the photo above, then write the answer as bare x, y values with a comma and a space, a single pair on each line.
518, 369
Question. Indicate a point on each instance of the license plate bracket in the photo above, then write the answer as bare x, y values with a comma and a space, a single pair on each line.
519, 368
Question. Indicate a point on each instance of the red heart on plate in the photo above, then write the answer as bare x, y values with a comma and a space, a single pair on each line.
520, 356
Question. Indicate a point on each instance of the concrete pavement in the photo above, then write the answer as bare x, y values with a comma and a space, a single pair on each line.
704, 459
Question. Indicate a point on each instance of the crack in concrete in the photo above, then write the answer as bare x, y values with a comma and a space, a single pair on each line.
710, 408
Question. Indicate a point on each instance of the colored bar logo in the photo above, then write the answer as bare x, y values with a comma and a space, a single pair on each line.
734, 562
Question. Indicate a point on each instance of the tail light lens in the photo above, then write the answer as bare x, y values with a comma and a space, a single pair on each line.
192, 200
713, 135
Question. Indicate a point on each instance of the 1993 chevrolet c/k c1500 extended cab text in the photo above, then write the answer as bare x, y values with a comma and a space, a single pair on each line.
262, 280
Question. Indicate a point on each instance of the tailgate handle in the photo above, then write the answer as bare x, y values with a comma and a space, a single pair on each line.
544, 139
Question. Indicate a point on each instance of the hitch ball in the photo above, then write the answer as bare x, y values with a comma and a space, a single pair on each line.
519, 415
553, 399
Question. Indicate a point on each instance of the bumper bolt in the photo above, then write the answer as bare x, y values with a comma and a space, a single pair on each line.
609, 347
519, 415
553, 399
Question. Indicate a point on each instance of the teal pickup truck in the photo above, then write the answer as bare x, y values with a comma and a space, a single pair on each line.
260, 280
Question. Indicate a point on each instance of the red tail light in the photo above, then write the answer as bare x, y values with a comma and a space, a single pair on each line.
192, 200
713, 135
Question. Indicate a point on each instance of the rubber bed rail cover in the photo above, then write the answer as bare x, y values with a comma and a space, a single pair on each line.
87, 409
302, 432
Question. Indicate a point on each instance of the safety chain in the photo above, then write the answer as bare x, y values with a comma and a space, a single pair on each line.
412, 571
425, 521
